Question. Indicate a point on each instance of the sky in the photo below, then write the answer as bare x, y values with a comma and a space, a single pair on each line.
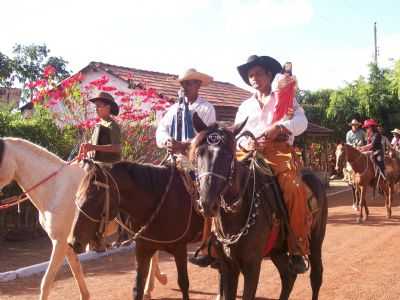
329, 42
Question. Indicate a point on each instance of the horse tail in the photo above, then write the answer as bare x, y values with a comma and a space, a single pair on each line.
320, 218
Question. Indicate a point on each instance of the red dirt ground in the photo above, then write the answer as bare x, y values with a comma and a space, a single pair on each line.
361, 262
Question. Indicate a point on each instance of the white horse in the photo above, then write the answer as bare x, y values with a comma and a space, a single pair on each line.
28, 164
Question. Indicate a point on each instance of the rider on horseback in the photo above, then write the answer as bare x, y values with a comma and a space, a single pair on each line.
105, 144
275, 144
355, 136
374, 144
175, 131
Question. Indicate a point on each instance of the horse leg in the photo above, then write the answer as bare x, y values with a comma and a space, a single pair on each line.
180, 255
354, 191
230, 279
362, 196
390, 197
281, 262
154, 272
251, 274
76, 269
56, 259
143, 256
316, 268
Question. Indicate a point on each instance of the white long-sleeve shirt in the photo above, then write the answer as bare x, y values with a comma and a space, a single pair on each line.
204, 109
259, 119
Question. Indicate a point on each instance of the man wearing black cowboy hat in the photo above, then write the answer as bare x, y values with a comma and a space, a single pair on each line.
275, 144
105, 145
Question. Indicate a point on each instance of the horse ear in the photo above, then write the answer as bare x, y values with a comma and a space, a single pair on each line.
198, 123
237, 128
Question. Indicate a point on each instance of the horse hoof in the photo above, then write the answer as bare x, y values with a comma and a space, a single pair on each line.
359, 220
147, 296
162, 278
354, 207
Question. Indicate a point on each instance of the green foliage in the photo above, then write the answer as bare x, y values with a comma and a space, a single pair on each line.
376, 97
28, 63
5, 70
39, 129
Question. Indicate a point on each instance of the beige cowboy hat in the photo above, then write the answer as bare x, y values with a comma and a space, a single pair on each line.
107, 99
192, 74
354, 122
397, 131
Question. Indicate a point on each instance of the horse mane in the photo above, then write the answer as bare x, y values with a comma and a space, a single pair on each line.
38, 150
147, 176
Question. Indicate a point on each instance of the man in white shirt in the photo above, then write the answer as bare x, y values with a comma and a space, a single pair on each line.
175, 131
275, 143
168, 134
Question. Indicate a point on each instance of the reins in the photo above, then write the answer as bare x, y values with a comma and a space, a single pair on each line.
138, 234
17, 200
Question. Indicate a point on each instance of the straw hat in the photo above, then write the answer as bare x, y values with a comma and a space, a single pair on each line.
354, 122
397, 131
192, 74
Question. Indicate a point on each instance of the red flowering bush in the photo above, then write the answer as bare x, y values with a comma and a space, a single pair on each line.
68, 103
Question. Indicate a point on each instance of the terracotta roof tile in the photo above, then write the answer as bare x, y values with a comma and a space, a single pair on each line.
218, 93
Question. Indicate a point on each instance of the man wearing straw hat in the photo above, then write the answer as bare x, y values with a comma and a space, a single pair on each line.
355, 136
396, 139
175, 131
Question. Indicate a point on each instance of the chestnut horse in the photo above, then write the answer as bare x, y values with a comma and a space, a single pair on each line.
364, 177
160, 208
244, 205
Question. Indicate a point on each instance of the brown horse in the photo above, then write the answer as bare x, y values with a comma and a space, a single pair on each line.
244, 205
364, 177
160, 208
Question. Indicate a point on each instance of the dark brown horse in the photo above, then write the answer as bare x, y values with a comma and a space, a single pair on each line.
137, 190
364, 177
243, 202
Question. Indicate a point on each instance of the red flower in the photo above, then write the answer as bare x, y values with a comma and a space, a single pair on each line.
108, 88
119, 93
48, 71
100, 82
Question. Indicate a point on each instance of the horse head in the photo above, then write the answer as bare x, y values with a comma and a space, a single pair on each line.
213, 152
96, 208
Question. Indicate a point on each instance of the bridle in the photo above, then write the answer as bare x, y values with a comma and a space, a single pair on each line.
228, 179
105, 215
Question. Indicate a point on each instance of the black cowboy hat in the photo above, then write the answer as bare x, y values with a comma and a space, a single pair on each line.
107, 99
268, 63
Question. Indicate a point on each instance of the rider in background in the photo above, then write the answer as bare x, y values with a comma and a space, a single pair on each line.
355, 136
374, 144
396, 139
386, 147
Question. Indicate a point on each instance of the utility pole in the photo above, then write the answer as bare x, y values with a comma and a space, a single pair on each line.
375, 46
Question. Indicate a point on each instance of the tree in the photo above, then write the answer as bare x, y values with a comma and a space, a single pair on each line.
28, 63
5, 70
